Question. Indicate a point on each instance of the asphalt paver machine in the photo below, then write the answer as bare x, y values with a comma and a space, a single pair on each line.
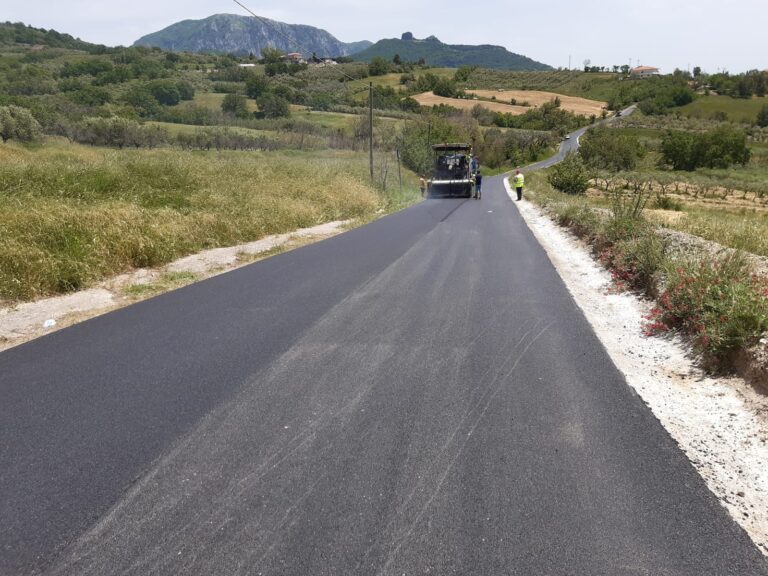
453, 173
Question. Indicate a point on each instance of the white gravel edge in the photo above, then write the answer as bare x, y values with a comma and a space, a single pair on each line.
720, 423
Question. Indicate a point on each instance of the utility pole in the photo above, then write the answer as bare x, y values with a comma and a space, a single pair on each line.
569, 62
399, 174
370, 127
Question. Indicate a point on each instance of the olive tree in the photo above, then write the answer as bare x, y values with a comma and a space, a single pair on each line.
570, 175
17, 123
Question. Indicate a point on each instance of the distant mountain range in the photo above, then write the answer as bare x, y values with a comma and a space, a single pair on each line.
435, 53
229, 33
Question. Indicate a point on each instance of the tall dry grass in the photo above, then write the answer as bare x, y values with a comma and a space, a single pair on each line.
71, 215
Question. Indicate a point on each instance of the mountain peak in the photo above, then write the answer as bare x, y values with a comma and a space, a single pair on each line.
232, 33
432, 51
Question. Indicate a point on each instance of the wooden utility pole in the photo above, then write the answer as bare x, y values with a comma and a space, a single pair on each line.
370, 127
399, 175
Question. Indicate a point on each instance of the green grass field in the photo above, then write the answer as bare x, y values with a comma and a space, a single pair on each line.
332, 120
174, 129
736, 109
72, 215
213, 101
595, 86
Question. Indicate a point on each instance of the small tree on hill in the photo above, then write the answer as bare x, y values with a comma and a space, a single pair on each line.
235, 104
570, 176
256, 85
378, 66
273, 106
610, 150
762, 117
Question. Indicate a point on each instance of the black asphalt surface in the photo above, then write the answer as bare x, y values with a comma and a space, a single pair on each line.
417, 396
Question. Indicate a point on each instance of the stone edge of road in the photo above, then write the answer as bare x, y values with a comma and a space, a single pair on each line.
721, 424
26, 321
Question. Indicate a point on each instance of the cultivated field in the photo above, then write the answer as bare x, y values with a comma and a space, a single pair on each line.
429, 99
537, 98
501, 101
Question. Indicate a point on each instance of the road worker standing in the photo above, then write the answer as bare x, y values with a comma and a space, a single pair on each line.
519, 184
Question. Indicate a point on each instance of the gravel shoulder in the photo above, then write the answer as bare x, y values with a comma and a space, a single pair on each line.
23, 322
721, 424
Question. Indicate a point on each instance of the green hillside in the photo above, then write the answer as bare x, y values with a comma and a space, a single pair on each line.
725, 108
435, 53
21, 34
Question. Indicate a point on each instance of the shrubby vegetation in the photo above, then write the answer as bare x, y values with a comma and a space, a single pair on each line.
18, 124
606, 149
548, 116
762, 117
570, 176
746, 85
117, 132
717, 302
719, 148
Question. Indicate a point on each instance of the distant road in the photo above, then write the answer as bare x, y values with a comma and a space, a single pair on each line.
572, 143
417, 396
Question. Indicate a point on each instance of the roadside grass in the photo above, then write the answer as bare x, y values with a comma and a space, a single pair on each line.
744, 230
719, 304
72, 215
735, 109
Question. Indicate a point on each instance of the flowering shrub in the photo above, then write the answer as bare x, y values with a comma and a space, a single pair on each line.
635, 262
719, 304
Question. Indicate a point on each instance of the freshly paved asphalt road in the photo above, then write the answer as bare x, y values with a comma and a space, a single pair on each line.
418, 396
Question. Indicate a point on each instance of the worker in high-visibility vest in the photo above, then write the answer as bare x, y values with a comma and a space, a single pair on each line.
519, 184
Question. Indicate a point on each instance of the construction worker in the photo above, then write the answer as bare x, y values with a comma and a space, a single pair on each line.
519, 184
478, 185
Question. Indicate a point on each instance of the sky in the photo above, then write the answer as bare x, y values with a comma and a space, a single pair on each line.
713, 34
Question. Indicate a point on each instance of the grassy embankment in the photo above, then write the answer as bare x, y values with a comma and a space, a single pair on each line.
734, 109
72, 215
720, 304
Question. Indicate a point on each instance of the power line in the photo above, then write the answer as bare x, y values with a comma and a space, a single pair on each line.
292, 41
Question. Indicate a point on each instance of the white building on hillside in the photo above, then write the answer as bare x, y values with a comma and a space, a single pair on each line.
644, 72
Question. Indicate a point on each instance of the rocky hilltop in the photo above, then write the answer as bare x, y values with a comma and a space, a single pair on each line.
230, 33
436, 53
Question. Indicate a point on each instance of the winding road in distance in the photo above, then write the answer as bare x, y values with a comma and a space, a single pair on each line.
417, 396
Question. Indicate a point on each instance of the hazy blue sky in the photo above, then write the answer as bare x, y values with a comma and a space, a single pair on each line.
713, 34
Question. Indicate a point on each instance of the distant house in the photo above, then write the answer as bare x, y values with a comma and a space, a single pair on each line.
644, 72
322, 63
294, 58
248, 65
